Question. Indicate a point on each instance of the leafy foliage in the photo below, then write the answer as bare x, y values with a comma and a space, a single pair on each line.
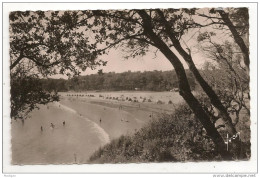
52, 41
26, 94
227, 76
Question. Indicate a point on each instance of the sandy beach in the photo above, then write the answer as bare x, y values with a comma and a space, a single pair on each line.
90, 122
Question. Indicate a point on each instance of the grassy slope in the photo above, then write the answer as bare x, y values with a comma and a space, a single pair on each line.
177, 137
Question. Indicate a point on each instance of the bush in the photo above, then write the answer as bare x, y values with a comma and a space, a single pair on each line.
241, 121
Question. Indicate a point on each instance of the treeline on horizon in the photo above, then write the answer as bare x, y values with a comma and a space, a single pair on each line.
144, 81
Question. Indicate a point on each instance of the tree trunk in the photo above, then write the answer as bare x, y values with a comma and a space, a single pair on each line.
210, 92
205, 86
184, 86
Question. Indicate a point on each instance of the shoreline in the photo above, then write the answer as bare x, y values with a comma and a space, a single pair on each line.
114, 121
85, 118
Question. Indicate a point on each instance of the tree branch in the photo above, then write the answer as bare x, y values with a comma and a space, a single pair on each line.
209, 17
197, 25
42, 64
145, 40
117, 42
237, 37
99, 13
17, 61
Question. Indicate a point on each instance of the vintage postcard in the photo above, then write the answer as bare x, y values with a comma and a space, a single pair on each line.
117, 85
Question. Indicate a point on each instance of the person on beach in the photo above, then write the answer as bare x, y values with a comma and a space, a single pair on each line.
100, 120
63, 123
41, 129
52, 125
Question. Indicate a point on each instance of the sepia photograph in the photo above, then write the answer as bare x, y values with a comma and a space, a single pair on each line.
131, 85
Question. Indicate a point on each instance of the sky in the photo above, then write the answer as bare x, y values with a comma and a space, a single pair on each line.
117, 63
151, 61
